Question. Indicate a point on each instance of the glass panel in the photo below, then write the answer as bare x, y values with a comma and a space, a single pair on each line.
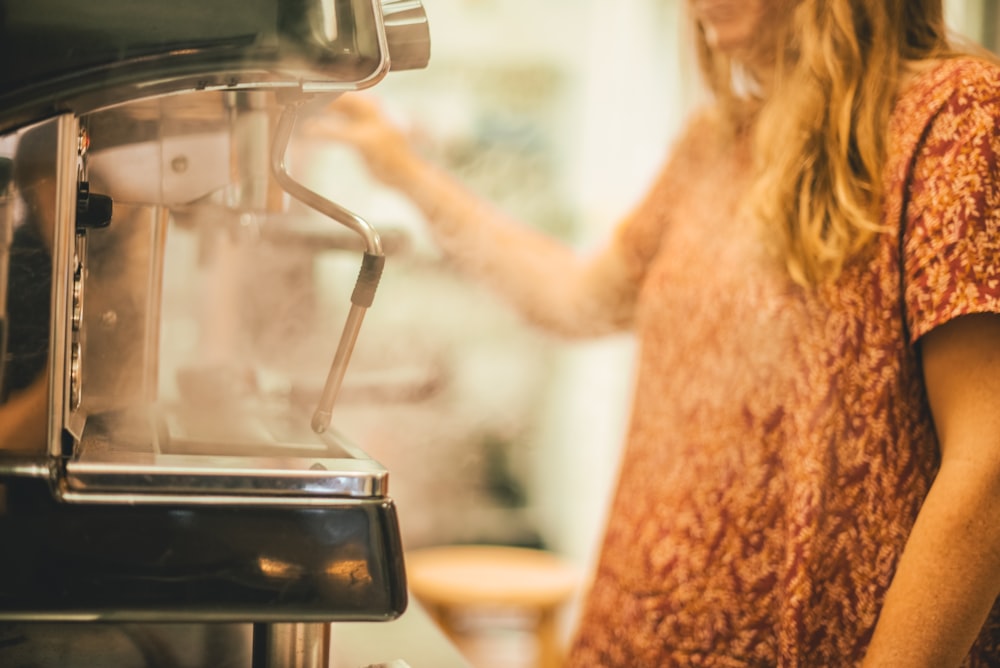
27, 214
203, 333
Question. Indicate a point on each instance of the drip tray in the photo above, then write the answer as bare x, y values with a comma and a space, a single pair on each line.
256, 453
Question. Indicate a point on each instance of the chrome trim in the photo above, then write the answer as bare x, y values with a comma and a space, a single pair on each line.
408, 34
298, 645
349, 219
63, 270
75, 376
338, 369
373, 251
258, 476
25, 466
51, 617
179, 500
77, 300
382, 69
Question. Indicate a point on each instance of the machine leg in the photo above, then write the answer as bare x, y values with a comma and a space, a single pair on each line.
291, 645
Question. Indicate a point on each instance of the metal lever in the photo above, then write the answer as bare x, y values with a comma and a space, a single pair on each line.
368, 278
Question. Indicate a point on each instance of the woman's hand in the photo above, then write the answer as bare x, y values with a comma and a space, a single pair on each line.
542, 277
358, 121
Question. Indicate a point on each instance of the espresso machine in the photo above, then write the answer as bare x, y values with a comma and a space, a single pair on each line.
150, 471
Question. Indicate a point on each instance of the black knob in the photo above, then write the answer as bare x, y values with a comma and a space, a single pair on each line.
92, 210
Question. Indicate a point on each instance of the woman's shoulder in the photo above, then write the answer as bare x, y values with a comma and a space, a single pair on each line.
958, 67
970, 70
952, 231
708, 122
704, 135
941, 100
959, 82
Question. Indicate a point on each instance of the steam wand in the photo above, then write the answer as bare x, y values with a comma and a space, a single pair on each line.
368, 278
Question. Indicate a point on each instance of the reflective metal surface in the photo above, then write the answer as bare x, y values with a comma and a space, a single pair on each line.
407, 33
62, 56
339, 560
171, 458
68, 645
213, 501
368, 278
157, 463
303, 645
352, 644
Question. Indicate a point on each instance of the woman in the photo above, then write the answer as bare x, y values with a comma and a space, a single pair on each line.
812, 475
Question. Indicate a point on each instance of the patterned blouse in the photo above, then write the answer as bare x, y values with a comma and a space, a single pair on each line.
781, 443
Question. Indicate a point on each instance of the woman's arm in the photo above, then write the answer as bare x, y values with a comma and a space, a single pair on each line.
546, 280
949, 573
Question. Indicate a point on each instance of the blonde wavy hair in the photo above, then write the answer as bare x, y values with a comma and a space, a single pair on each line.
835, 68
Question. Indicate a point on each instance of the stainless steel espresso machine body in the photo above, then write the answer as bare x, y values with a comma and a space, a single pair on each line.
149, 472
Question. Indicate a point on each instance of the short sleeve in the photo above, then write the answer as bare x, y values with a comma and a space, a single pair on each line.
951, 248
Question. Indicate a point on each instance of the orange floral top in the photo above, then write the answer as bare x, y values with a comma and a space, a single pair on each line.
781, 443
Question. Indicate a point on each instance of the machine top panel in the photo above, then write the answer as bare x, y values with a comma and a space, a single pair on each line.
66, 55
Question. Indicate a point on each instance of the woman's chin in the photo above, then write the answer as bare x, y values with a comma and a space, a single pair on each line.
730, 42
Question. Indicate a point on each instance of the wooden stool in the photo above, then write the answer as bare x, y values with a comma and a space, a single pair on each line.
445, 579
